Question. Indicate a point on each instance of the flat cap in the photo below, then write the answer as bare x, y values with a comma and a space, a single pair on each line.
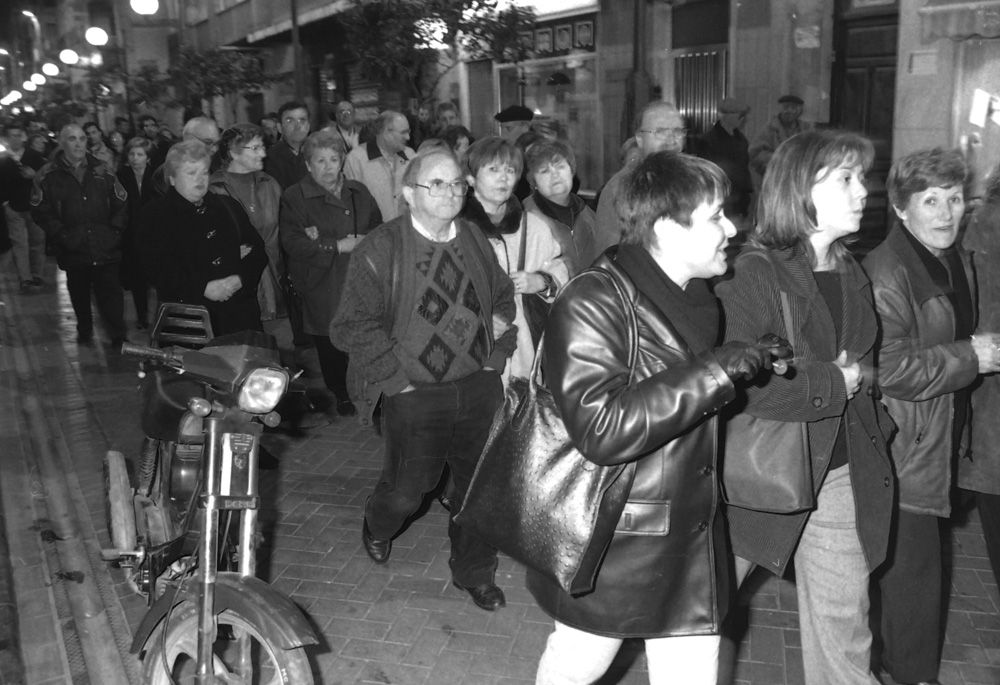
793, 99
514, 113
732, 106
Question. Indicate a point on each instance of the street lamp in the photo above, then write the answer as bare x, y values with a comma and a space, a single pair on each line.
69, 57
96, 36
38, 79
145, 7
50, 69
29, 86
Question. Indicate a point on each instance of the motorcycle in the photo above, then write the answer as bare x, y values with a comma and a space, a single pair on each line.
185, 527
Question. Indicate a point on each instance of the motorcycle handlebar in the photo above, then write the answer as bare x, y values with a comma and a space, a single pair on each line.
133, 350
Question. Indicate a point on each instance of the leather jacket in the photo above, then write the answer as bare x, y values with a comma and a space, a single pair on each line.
920, 366
665, 571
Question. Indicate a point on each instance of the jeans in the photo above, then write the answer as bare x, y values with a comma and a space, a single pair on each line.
425, 429
831, 581
910, 585
576, 657
27, 241
103, 280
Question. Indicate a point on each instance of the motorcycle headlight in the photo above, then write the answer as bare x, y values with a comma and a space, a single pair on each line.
262, 389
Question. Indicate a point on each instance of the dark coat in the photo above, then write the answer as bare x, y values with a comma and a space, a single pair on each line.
84, 220
650, 583
285, 166
814, 393
183, 249
920, 366
133, 274
578, 241
316, 268
980, 469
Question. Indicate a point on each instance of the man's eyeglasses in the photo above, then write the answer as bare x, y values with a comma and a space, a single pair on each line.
253, 148
674, 133
439, 188
209, 142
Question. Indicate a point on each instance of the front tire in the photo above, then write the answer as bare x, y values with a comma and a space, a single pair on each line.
174, 646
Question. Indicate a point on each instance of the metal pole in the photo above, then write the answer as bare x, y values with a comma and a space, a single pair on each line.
297, 51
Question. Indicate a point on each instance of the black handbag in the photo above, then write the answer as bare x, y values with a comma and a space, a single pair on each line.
766, 464
533, 496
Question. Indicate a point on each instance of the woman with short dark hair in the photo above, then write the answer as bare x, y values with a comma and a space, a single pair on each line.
930, 354
796, 277
665, 565
136, 176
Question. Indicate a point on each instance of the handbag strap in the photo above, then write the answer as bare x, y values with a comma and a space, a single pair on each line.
633, 329
786, 315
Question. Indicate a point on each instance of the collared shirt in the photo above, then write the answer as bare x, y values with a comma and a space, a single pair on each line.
419, 228
381, 174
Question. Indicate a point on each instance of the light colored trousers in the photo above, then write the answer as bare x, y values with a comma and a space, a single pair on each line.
831, 581
27, 244
576, 657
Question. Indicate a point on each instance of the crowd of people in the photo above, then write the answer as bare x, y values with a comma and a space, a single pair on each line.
424, 264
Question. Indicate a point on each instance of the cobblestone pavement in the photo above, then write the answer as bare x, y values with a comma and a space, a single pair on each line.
401, 623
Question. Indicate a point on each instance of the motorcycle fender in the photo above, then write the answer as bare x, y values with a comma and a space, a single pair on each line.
257, 601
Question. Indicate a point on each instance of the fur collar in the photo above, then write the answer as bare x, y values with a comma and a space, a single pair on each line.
511, 221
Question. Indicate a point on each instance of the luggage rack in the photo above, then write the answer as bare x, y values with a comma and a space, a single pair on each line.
182, 325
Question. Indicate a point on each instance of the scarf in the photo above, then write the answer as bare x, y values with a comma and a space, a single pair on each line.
694, 311
564, 215
511, 221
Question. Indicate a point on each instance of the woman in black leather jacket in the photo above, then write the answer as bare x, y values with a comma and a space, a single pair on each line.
664, 576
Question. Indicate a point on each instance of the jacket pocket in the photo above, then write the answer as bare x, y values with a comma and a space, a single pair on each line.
644, 517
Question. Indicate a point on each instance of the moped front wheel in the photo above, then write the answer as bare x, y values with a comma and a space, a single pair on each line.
245, 651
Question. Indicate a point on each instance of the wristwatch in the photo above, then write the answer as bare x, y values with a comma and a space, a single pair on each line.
550, 285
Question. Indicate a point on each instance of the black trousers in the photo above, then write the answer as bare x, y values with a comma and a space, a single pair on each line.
333, 364
103, 280
989, 515
910, 587
425, 429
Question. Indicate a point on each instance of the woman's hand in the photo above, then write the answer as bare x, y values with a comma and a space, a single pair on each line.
987, 349
347, 245
527, 282
851, 372
312, 232
221, 289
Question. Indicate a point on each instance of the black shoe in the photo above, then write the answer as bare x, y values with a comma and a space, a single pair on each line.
486, 596
265, 460
377, 549
346, 408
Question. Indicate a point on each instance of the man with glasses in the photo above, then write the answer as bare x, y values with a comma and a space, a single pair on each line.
284, 163
659, 127
725, 145
201, 128
425, 317
380, 163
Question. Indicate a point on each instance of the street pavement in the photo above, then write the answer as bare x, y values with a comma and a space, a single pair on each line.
402, 623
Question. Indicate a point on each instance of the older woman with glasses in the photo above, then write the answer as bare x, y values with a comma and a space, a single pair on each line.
323, 217
240, 160
200, 247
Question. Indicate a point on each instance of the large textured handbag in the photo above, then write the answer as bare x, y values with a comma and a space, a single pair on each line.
766, 464
533, 495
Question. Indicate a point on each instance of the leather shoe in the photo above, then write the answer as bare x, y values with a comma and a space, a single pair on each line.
486, 596
377, 549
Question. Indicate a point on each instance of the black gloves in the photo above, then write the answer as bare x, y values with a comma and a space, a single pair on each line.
743, 361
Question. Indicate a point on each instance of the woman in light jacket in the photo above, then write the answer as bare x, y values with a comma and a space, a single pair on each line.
811, 202
523, 242
664, 573
930, 354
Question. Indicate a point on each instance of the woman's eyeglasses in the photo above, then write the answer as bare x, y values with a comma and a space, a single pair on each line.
439, 188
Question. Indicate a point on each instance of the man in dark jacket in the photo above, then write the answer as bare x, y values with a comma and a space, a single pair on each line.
283, 162
726, 145
425, 318
81, 205
18, 165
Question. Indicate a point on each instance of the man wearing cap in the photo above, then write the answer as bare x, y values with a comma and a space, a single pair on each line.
726, 145
658, 127
785, 125
514, 121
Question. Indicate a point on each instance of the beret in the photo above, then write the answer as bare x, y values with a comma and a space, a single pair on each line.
514, 113
794, 99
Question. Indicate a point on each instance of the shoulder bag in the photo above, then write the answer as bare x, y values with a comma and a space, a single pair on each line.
766, 463
533, 496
